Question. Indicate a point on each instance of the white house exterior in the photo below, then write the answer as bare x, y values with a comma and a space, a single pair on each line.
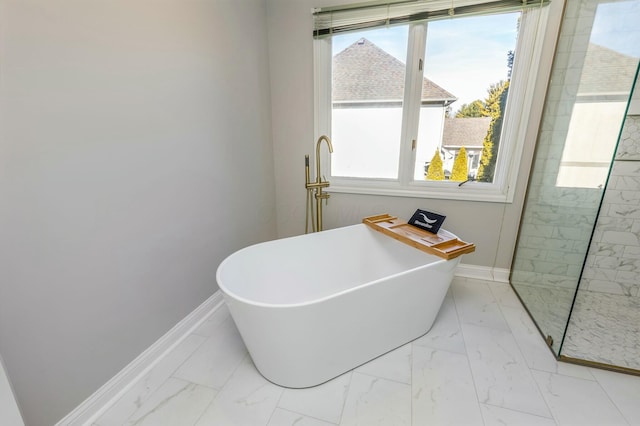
368, 88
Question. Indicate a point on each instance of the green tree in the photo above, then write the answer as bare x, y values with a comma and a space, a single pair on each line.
474, 109
460, 171
436, 169
495, 105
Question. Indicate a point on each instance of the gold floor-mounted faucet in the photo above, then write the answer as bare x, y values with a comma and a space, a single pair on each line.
317, 187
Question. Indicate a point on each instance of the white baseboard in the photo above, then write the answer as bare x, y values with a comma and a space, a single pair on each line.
94, 406
482, 273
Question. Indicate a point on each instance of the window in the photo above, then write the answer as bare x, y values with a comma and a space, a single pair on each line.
402, 99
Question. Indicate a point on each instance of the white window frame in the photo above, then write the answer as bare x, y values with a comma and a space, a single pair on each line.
529, 59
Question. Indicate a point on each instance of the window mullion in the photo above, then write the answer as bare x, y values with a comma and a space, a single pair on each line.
412, 98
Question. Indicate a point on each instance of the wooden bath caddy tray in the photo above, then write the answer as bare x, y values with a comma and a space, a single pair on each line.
442, 244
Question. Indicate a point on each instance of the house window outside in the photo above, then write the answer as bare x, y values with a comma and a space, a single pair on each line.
398, 95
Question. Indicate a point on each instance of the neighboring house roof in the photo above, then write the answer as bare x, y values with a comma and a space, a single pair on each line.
606, 71
468, 132
365, 72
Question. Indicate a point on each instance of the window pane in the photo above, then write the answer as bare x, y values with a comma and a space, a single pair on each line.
367, 92
467, 70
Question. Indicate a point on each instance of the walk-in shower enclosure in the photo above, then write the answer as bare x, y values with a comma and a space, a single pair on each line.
577, 262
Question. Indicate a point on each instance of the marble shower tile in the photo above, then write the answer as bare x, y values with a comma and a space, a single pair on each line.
372, 400
282, 417
624, 211
246, 399
149, 383
628, 182
628, 150
631, 252
629, 277
615, 196
176, 402
442, 389
629, 145
603, 249
577, 402
548, 243
605, 328
530, 253
216, 359
620, 237
600, 274
611, 224
569, 258
607, 262
537, 230
527, 265
611, 287
569, 233
501, 374
324, 402
567, 282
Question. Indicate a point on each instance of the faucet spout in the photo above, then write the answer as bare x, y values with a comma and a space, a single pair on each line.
320, 139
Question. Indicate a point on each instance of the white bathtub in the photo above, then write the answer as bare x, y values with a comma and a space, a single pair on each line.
312, 307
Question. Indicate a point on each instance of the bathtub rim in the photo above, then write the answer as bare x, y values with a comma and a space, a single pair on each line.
233, 295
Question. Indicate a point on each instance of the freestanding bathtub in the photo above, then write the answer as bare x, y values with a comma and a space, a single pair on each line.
312, 307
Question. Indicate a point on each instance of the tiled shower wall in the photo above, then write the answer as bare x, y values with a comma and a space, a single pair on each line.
557, 221
613, 262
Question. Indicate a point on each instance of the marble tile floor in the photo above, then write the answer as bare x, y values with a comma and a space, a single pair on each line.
482, 363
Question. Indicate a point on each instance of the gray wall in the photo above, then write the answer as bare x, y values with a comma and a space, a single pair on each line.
492, 226
135, 136
9, 413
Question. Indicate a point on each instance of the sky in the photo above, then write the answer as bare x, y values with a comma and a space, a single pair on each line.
466, 55
617, 26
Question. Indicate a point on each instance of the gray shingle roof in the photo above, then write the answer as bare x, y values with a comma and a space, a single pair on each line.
365, 72
468, 132
606, 71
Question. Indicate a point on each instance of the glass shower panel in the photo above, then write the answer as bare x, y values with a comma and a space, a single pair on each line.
605, 320
593, 72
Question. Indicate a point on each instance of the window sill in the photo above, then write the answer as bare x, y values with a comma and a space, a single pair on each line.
470, 191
